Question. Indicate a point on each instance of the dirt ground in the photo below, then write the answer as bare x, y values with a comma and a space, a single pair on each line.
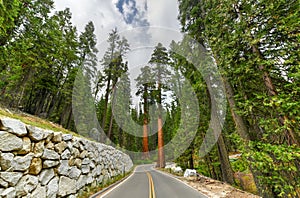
215, 189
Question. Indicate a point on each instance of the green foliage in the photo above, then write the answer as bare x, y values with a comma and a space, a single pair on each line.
278, 165
254, 44
240, 165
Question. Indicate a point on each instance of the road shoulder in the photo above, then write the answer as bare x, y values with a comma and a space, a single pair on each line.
212, 188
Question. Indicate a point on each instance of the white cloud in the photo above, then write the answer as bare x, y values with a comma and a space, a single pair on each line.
163, 13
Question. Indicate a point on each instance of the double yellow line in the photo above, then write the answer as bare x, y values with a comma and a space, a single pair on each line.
151, 186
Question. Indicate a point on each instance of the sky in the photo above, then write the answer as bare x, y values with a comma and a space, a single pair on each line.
143, 22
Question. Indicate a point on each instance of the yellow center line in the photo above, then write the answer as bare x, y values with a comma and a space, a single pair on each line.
150, 192
151, 186
153, 190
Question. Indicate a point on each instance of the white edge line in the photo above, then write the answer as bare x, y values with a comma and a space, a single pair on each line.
178, 180
110, 190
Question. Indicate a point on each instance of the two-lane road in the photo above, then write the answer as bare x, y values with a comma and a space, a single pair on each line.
147, 182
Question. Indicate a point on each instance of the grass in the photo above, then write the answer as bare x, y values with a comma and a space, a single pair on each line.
168, 170
34, 121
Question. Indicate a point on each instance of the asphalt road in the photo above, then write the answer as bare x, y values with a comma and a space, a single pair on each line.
146, 182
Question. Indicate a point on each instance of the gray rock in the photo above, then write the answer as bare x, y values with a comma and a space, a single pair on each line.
26, 185
85, 168
66, 154
10, 142
75, 152
52, 188
86, 161
26, 146
49, 137
39, 192
89, 179
9, 193
60, 147
18, 128
3, 183
92, 165
89, 146
50, 163
36, 133
92, 155
50, 146
81, 147
81, 182
45, 176
39, 148
76, 143
98, 169
99, 179
50, 155
94, 172
67, 137
63, 168
57, 137
35, 166
11, 177
74, 173
78, 163
66, 186
83, 154
6, 160
71, 196
22, 163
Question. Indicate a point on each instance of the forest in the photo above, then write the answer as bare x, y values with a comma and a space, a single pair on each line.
254, 45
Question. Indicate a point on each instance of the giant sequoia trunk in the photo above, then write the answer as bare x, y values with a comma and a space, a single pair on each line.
145, 126
161, 154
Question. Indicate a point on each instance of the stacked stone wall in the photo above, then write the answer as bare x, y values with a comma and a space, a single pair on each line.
41, 163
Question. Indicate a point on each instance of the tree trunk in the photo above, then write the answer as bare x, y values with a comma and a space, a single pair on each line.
238, 120
290, 135
69, 117
210, 167
161, 155
106, 102
145, 126
112, 114
191, 159
227, 173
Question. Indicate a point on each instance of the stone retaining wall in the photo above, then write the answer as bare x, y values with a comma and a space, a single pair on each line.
41, 163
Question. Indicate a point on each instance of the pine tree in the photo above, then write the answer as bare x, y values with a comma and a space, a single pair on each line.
160, 60
114, 66
145, 84
88, 51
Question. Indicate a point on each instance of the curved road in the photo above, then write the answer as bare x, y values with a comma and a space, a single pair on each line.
147, 182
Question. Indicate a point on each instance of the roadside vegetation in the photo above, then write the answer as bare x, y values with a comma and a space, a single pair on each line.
93, 189
34, 120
